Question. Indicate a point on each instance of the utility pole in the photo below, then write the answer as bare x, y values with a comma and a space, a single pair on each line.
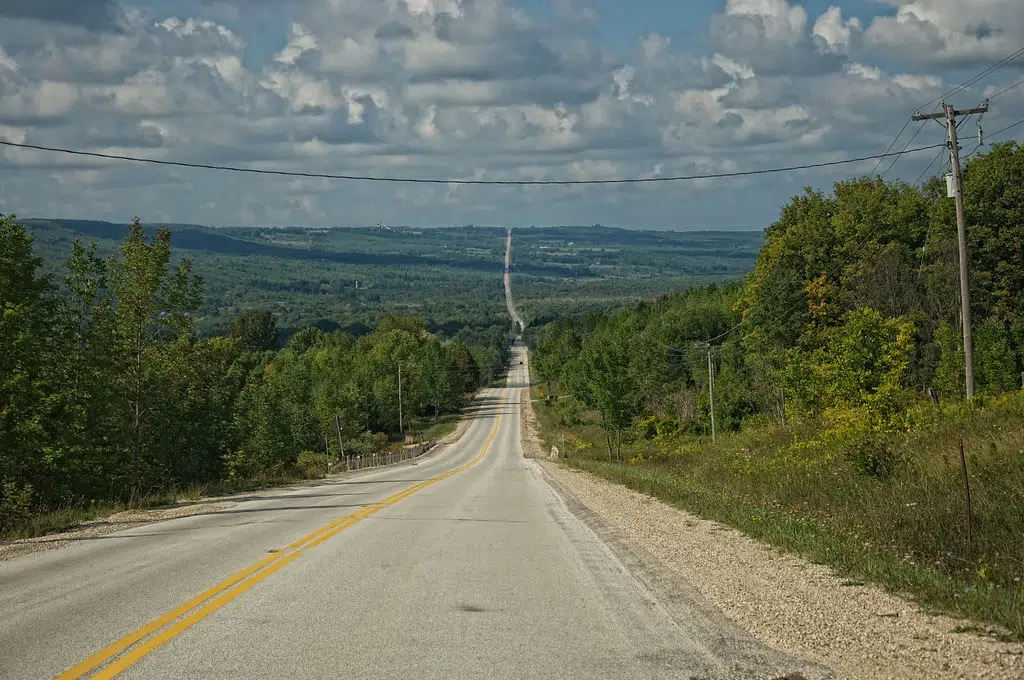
711, 392
337, 428
401, 430
950, 114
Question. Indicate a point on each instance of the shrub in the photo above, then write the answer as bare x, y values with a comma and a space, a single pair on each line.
15, 504
870, 454
311, 465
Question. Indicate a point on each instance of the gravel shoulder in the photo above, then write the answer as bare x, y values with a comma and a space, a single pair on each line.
784, 601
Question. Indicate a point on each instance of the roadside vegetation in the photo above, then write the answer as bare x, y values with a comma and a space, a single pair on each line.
109, 400
838, 390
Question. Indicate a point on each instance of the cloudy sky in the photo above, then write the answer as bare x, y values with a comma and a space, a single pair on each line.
477, 89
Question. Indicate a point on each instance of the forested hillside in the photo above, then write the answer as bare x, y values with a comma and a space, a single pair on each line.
450, 277
107, 394
838, 386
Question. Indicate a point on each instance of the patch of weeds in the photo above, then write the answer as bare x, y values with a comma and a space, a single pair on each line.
968, 629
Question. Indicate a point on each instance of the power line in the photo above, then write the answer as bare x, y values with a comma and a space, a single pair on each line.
852, 251
904, 151
971, 81
1007, 128
1005, 90
892, 144
831, 270
423, 180
921, 176
959, 87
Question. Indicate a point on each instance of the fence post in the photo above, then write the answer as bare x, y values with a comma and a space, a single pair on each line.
967, 494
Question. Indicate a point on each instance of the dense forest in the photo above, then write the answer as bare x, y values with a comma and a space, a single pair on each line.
106, 392
853, 304
838, 389
346, 278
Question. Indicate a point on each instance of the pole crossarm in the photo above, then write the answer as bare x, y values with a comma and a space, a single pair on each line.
942, 114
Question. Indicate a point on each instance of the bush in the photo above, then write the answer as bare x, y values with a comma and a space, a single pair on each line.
870, 455
366, 443
15, 504
311, 465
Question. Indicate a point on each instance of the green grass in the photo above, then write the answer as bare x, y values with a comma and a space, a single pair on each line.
793, 488
434, 428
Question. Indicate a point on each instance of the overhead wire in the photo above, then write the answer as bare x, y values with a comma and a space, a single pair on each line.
426, 180
921, 176
887, 154
961, 86
892, 144
641, 180
974, 79
1005, 90
904, 150
1008, 127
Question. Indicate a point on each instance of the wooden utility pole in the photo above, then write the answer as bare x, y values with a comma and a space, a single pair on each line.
711, 392
401, 430
337, 429
950, 114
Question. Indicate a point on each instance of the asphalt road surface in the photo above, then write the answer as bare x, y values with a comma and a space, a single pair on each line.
509, 301
467, 564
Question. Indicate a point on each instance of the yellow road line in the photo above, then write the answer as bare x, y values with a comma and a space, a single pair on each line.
156, 641
215, 597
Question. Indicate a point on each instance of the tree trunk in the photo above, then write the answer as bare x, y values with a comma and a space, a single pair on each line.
608, 439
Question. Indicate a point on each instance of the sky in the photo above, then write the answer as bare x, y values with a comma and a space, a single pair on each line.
480, 89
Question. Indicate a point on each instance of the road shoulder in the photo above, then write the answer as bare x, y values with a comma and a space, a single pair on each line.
784, 601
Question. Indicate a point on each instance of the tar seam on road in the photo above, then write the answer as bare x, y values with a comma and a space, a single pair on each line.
209, 601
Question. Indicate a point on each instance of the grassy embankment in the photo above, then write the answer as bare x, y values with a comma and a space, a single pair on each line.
791, 486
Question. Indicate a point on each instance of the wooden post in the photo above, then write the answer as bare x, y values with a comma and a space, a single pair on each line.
967, 495
711, 392
950, 114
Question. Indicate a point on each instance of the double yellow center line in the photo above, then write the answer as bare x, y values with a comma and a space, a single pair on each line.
119, 656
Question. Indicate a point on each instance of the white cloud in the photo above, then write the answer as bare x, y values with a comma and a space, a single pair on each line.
834, 32
462, 88
949, 32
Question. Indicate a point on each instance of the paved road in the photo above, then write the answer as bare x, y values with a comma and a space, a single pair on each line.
481, 570
509, 302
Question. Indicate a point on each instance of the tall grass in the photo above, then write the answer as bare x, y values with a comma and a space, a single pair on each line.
797, 487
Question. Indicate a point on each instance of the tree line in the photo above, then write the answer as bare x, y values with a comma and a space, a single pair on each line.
853, 304
107, 393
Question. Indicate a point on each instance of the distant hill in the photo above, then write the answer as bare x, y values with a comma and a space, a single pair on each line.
348, 277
